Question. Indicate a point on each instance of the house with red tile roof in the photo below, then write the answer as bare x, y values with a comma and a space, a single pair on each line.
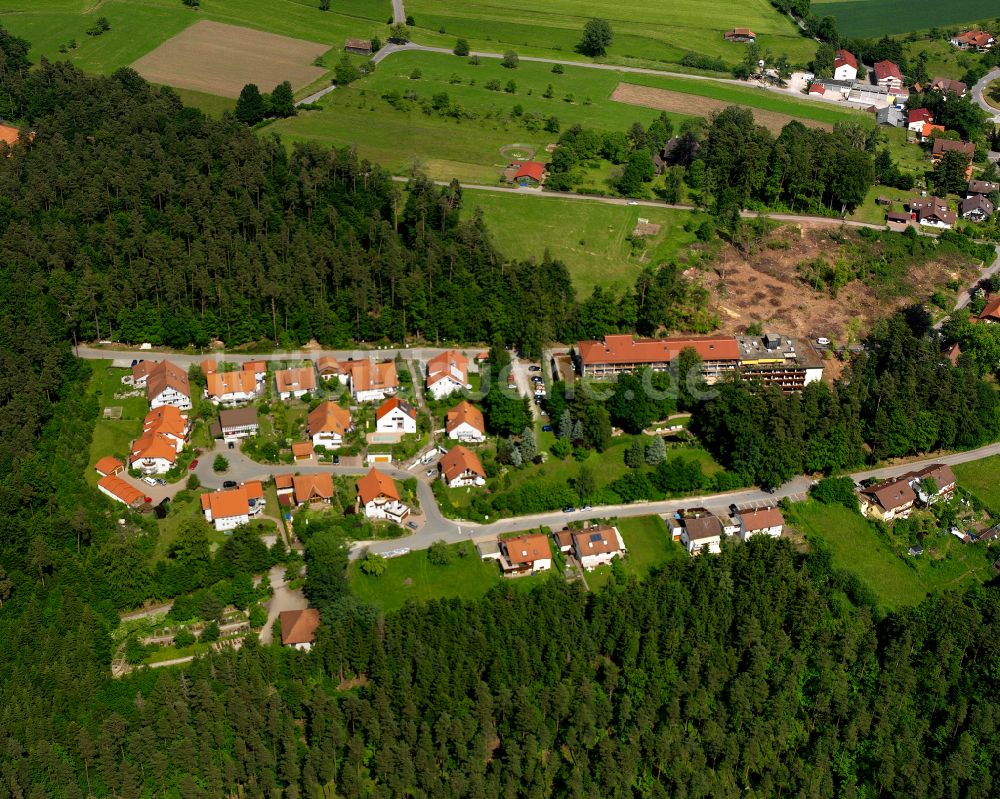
460, 467
373, 382
465, 422
257, 368
298, 628
330, 368
311, 489
231, 388
165, 383
228, 509
845, 66
525, 554
761, 521
302, 450
379, 497
327, 424
109, 465
395, 415
597, 546
888, 75
113, 486
296, 382
917, 118
977, 40
447, 373
622, 353
991, 313
740, 35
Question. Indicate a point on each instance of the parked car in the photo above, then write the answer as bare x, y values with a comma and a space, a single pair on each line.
534, 368
569, 509
150, 481
587, 507
430, 472
160, 481
546, 428
412, 525
336, 460
229, 484
193, 465
823, 341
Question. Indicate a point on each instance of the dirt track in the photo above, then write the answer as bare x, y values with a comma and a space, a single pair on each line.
220, 59
695, 105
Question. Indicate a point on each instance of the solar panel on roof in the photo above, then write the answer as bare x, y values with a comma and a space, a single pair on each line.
595, 537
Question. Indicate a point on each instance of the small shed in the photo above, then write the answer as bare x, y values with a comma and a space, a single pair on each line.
358, 46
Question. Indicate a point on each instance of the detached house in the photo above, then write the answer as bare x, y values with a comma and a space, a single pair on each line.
940, 84
226, 510
327, 424
395, 416
461, 467
465, 422
917, 118
373, 382
982, 187
166, 384
295, 383
237, 423
933, 483
845, 66
231, 388
976, 208
330, 368
298, 628
888, 500
597, 546
258, 369
698, 531
164, 432
979, 41
888, 75
932, 211
312, 489
764, 521
378, 495
740, 35
525, 554
991, 313
447, 373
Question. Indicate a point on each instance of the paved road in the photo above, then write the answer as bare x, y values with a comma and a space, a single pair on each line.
312, 98
158, 610
519, 369
980, 87
398, 12
293, 356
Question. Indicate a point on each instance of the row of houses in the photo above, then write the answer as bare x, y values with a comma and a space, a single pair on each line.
774, 359
530, 553
699, 530
935, 212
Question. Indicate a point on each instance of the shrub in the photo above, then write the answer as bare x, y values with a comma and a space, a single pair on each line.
220, 464
373, 564
510, 60
184, 637
461, 48
835, 491
193, 482
440, 554
211, 632
258, 616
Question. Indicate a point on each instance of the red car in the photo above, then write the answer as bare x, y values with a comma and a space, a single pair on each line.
193, 465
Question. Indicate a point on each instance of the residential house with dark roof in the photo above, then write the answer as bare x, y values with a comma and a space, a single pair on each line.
166, 384
991, 312
977, 208
697, 530
932, 211
982, 187
895, 499
237, 423
942, 84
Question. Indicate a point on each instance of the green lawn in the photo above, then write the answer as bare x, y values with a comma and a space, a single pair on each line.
591, 238
469, 148
942, 58
645, 30
649, 545
185, 505
414, 577
113, 436
982, 478
857, 546
138, 26
870, 18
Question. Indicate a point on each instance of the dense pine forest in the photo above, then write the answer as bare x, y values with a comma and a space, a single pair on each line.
761, 672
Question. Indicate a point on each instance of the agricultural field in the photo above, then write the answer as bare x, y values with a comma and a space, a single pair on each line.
220, 59
896, 579
592, 239
645, 30
864, 18
468, 138
140, 26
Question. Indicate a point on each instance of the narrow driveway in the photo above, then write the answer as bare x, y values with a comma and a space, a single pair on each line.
519, 369
965, 296
398, 12
284, 598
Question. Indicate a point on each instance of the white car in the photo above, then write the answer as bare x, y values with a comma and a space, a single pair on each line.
823, 341
149, 481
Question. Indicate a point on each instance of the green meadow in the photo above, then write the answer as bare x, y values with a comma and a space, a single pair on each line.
138, 26
879, 17
645, 30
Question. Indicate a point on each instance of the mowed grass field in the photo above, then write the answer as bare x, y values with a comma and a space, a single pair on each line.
113, 436
982, 478
857, 546
645, 30
469, 148
649, 546
591, 238
139, 26
878, 17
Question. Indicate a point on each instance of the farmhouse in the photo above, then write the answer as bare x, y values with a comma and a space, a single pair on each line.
465, 422
395, 416
976, 208
980, 41
327, 424
460, 467
228, 509
888, 75
330, 368
447, 373
932, 211
166, 384
358, 46
295, 382
525, 554
109, 465
298, 628
120, 491
312, 488
597, 546
378, 495
762, 521
372, 382
741, 35
845, 66
238, 423
231, 388
941, 84
917, 118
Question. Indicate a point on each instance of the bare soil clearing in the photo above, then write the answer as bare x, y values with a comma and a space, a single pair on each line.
220, 59
765, 287
694, 105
